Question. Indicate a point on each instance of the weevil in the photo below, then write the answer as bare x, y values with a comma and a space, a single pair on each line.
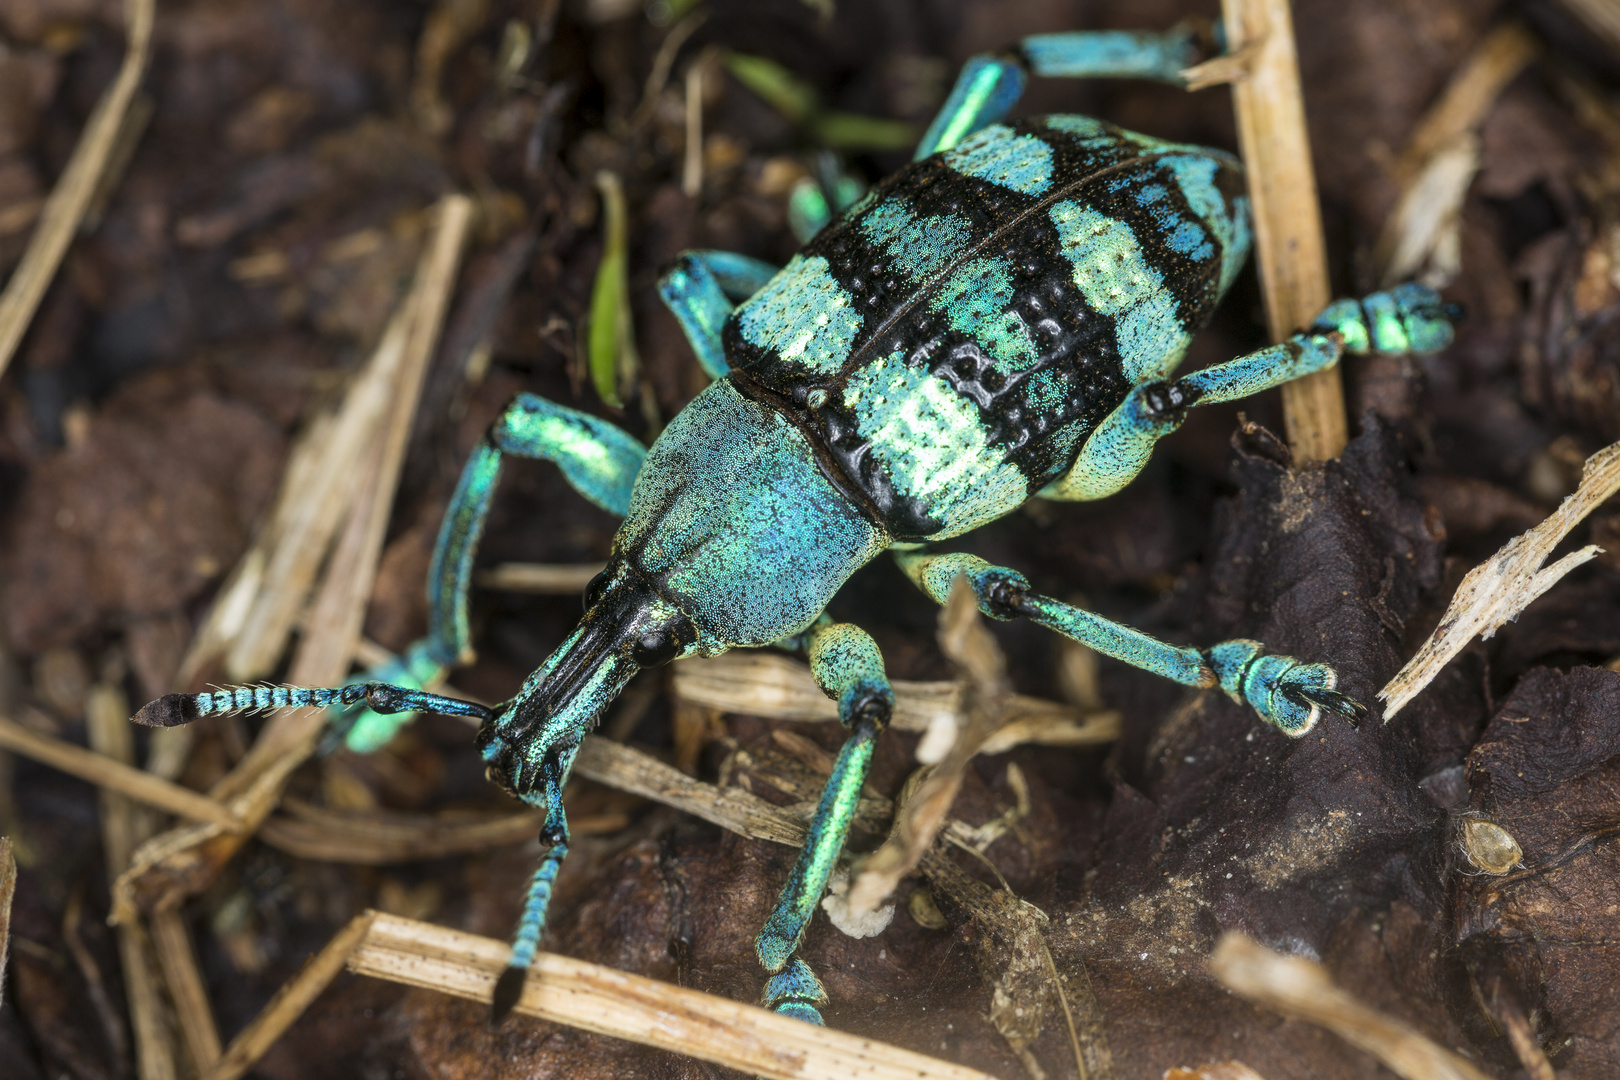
998, 320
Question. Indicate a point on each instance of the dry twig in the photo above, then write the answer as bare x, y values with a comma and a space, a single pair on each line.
1442, 157
290, 1002
1603, 16
633, 1007
123, 826
372, 437
111, 775
373, 839
1287, 221
582, 995
1298, 988
8, 889
1504, 585
561, 579
918, 820
759, 683
1224, 1070
77, 186
187, 990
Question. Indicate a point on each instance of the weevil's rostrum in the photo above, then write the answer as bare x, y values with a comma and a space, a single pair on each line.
1000, 319
949, 343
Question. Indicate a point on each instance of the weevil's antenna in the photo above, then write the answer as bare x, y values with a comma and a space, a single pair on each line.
172, 710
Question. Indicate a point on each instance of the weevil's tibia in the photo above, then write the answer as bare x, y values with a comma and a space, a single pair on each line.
847, 666
1284, 691
172, 710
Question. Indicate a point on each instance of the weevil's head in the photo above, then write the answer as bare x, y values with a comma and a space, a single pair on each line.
530, 742
734, 537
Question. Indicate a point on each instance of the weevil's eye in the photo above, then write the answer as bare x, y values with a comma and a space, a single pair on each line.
654, 647
594, 589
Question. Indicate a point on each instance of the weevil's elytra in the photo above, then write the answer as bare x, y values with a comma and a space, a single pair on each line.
1047, 265
999, 319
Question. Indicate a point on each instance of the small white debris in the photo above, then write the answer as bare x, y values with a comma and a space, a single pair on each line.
937, 740
856, 925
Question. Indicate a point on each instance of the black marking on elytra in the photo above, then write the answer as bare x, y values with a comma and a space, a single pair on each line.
170, 710
841, 456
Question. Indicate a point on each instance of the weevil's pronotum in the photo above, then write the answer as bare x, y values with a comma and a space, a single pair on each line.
999, 319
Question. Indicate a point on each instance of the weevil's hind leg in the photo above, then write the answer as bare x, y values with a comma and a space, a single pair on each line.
990, 84
1282, 690
598, 459
849, 669
1409, 318
702, 288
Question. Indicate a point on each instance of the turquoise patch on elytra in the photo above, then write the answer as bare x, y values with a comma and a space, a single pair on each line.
1228, 221
804, 315
1190, 240
1022, 163
918, 247
977, 300
931, 442
1115, 278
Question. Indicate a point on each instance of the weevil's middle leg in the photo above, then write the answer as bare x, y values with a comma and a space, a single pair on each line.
849, 669
1284, 691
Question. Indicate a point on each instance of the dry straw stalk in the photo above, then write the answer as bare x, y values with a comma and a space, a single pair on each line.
1299, 988
76, 188
1505, 584
582, 995
1287, 222
8, 889
367, 442
112, 775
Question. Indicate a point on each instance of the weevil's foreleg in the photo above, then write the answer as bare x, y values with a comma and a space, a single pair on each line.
1410, 318
702, 288
537, 901
598, 459
849, 669
1282, 690
990, 84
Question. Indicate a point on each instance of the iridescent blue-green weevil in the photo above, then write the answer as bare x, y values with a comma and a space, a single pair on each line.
1000, 319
